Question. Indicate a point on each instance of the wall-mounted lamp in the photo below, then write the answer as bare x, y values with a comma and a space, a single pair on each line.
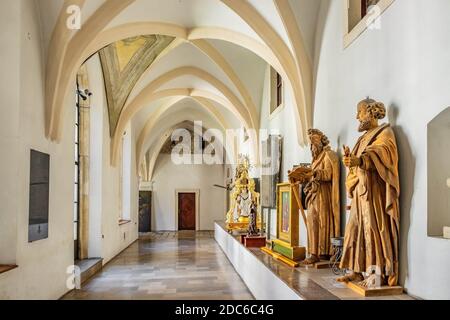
84, 94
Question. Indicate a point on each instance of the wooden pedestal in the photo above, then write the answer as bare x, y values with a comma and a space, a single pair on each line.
254, 242
375, 292
284, 252
285, 249
280, 257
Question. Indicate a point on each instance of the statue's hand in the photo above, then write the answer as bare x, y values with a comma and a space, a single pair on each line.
351, 161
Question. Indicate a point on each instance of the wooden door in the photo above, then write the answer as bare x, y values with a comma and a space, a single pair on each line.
145, 211
186, 211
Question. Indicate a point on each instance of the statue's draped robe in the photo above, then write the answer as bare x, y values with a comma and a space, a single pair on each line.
323, 205
372, 234
244, 201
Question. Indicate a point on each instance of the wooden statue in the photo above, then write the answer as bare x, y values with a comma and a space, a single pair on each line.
321, 183
253, 238
252, 227
372, 234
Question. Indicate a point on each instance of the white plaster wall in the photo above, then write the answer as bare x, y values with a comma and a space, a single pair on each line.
268, 10
169, 177
406, 65
126, 174
249, 67
306, 12
24, 116
282, 122
116, 237
49, 12
10, 33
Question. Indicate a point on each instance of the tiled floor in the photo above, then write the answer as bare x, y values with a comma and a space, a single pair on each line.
191, 266
167, 266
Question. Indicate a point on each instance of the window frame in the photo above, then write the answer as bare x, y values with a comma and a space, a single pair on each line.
76, 200
276, 94
350, 36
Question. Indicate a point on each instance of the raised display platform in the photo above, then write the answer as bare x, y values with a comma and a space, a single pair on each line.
261, 281
269, 279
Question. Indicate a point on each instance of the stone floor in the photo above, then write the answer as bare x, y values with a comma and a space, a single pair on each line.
167, 266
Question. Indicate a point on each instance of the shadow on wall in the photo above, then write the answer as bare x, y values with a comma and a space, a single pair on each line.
407, 166
343, 177
320, 29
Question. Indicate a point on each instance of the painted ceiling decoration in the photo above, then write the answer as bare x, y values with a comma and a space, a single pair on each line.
123, 63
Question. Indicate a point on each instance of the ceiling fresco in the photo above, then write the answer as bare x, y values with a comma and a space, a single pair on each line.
123, 63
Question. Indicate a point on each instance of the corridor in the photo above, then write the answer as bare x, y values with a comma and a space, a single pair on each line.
167, 266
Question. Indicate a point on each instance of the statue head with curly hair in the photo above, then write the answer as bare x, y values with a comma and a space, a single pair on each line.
318, 141
369, 112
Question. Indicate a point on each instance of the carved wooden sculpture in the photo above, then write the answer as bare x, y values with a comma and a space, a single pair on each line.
372, 234
322, 197
252, 230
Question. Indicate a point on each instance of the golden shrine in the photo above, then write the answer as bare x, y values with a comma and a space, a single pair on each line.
243, 195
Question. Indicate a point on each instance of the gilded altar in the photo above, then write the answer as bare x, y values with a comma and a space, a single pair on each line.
242, 197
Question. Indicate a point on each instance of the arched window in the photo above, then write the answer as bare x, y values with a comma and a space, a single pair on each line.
439, 174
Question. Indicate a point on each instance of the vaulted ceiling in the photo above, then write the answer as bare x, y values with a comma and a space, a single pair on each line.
154, 53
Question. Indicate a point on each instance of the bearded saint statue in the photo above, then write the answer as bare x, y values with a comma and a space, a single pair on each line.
372, 234
321, 183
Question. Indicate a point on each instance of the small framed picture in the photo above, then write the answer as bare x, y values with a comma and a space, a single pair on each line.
287, 218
